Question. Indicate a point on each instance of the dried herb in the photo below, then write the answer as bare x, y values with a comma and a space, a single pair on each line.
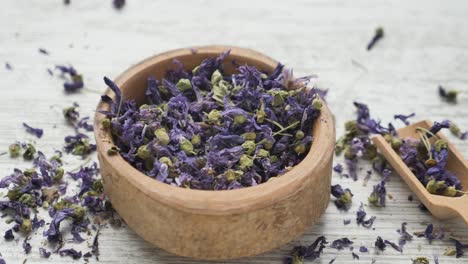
448, 95
70, 252
8, 66
404, 235
74, 81
118, 4
363, 249
343, 197
420, 260
379, 34
355, 256
43, 51
301, 253
341, 243
361, 216
204, 129
35, 131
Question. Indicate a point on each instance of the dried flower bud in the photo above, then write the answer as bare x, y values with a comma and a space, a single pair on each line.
26, 198
450, 252
249, 136
455, 129
162, 136
249, 147
440, 144
14, 194
186, 145
300, 148
267, 144
29, 152
143, 152
166, 160
196, 139
287, 108
430, 162
396, 143
348, 152
79, 212
245, 162
433, 186
214, 115
113, 151
421, 260
15, 150
26, 226
273, 158
450, 191
106, 123
262, 153
216, 77
232, 175
239, 119
59, 172
299, 135
184, 85
317, 103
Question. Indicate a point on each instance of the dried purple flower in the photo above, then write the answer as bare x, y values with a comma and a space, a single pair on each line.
312, 252
341, 243
361, 215
394, 246
2, 261
79, 145
363, 249
9, 235
347, 221
213, 131
35, 131
404, 118
75, 80
404, 235
344, 197
448, 96
410, 198
378, 195
8, 66
380, 244
459, 248
53, 233
118, 4
26, 245
43, 51
456, 131
44, 253
70, 252
338, 168
428, 233
355, 256
332, 260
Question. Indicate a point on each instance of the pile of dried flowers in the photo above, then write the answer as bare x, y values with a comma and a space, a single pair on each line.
205, 129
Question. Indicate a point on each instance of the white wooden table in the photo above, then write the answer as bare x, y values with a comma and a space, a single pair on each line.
426, 44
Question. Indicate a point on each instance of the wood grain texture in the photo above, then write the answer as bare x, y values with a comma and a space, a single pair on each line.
426, 44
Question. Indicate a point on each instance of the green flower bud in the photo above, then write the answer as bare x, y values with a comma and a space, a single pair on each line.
143, 107
45, 205
346, 198
29, 172
274, 158
262, 153
143, 152
440, 144
196, 139
162, 136
184, 85
388, 138
98, 186
373, 199
299, 135
433, 186
216, 77
106, 123
300, 148
452, 95
232, 175
352, 127
29, 152
317, 103
348, 153
249, 147
450, 252
113, 151
245, 162
420, 260
57, 158
396, 143
214, 115
15, 150
267, 144
186, 145
249, 136
26, 226
79, 212
455, 129
287, 108
340, 145
263, 76
450, 191
166, 160
13, 195
195, 70
371, 152
163, 89
26, 198
430, 162
59, 172
239, 119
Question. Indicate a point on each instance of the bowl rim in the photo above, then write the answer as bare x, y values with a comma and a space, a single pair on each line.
217, 202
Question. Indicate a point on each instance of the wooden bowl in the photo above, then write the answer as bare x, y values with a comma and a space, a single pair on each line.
215, 225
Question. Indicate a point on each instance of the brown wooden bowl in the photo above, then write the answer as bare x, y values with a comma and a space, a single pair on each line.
215, 225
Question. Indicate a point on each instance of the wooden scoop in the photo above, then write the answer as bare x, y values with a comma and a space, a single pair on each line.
441, 207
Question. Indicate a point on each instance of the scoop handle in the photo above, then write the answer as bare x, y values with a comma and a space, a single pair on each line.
461, 207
